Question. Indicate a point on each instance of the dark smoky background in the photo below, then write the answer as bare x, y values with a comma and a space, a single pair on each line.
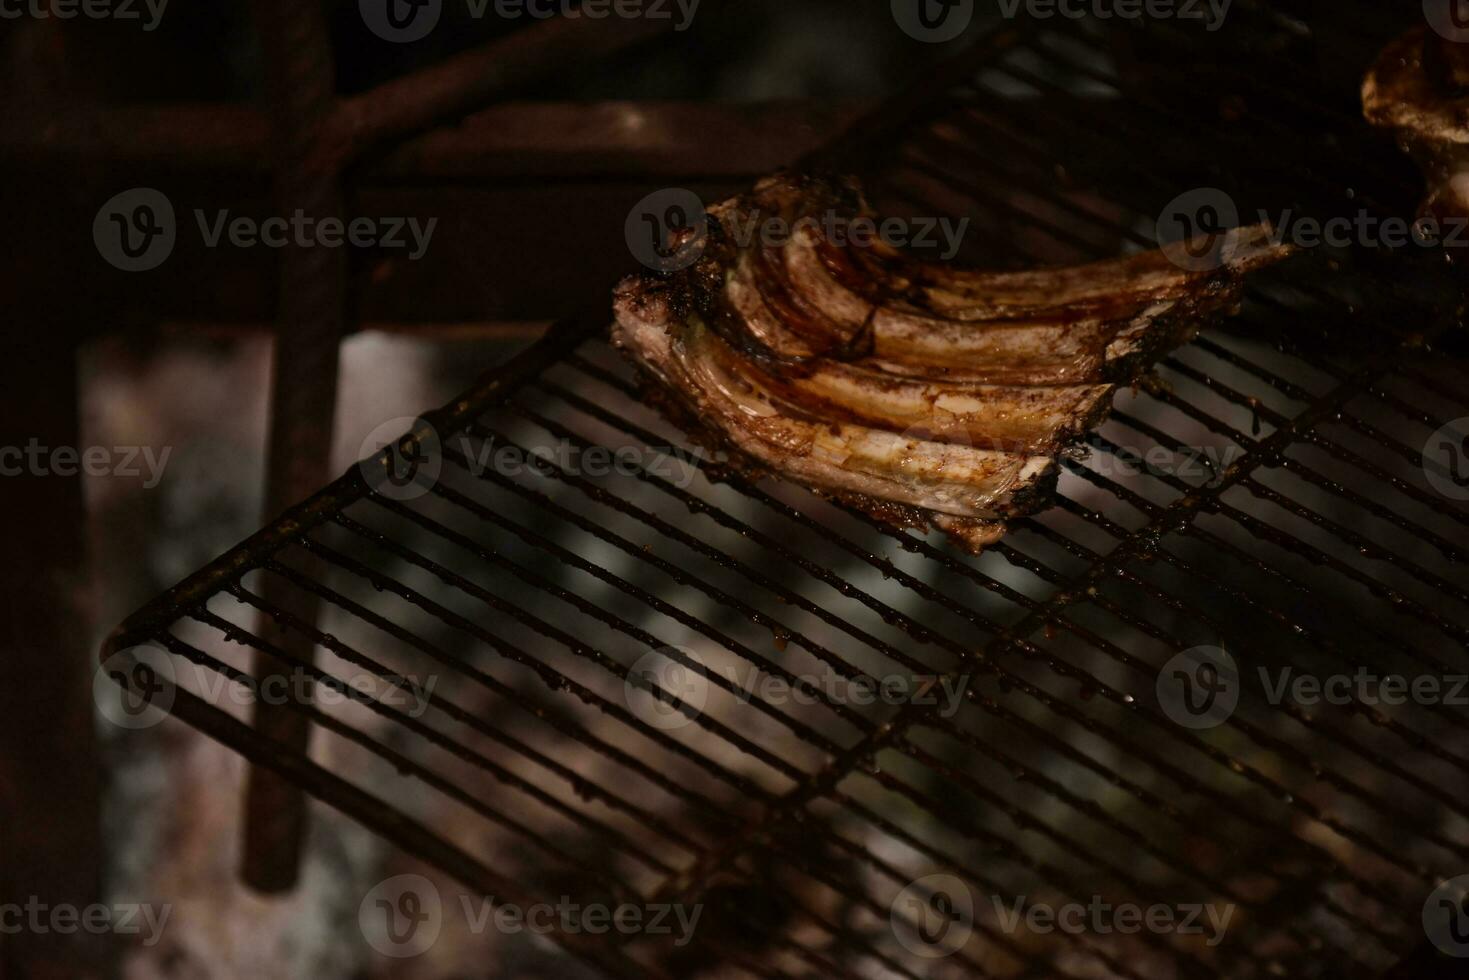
181, 362
171, 797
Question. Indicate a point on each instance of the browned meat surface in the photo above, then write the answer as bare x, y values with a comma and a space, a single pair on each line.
924, 393
1419, 88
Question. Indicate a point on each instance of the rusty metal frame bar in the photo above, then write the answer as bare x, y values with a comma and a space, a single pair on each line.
317, 135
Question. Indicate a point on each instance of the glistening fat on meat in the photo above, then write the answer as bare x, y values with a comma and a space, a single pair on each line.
923, 393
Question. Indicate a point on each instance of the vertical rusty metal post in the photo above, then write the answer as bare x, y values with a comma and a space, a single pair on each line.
301, 87
50, 777
315, 134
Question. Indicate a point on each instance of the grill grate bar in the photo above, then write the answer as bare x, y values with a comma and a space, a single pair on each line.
1274, 418
785, 595
1279, 383
726, 856
1319, 640
1014, 134
1345, 455
1413, 738
801, 730
1278, 745
570, 559
585, 787
1294, 543
1034, 788
1307, 880
1128, 549
480, 761
888, 569
802, 861
382, 501
1117, 230
1426, 380
552, 678
969, 870
1095, 641
1093, 810
1108, 134
402, 762
992, 797
561, 431
1363, 545
782, 633
1315, 638
1220, 428
626, 426
1142, 98
577, 647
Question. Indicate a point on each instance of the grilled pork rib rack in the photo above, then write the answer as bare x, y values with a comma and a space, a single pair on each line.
1419, 89
924, 394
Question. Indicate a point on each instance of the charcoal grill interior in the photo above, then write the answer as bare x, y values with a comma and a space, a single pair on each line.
1317, 543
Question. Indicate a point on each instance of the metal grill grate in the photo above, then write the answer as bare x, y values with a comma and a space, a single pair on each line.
1317, 544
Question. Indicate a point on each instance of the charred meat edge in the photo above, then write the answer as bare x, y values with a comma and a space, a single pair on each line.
809, 360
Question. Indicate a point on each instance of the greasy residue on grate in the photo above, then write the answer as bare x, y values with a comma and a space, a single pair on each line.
1301, 533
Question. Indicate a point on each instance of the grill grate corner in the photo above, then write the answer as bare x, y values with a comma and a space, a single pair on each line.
1266, 496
